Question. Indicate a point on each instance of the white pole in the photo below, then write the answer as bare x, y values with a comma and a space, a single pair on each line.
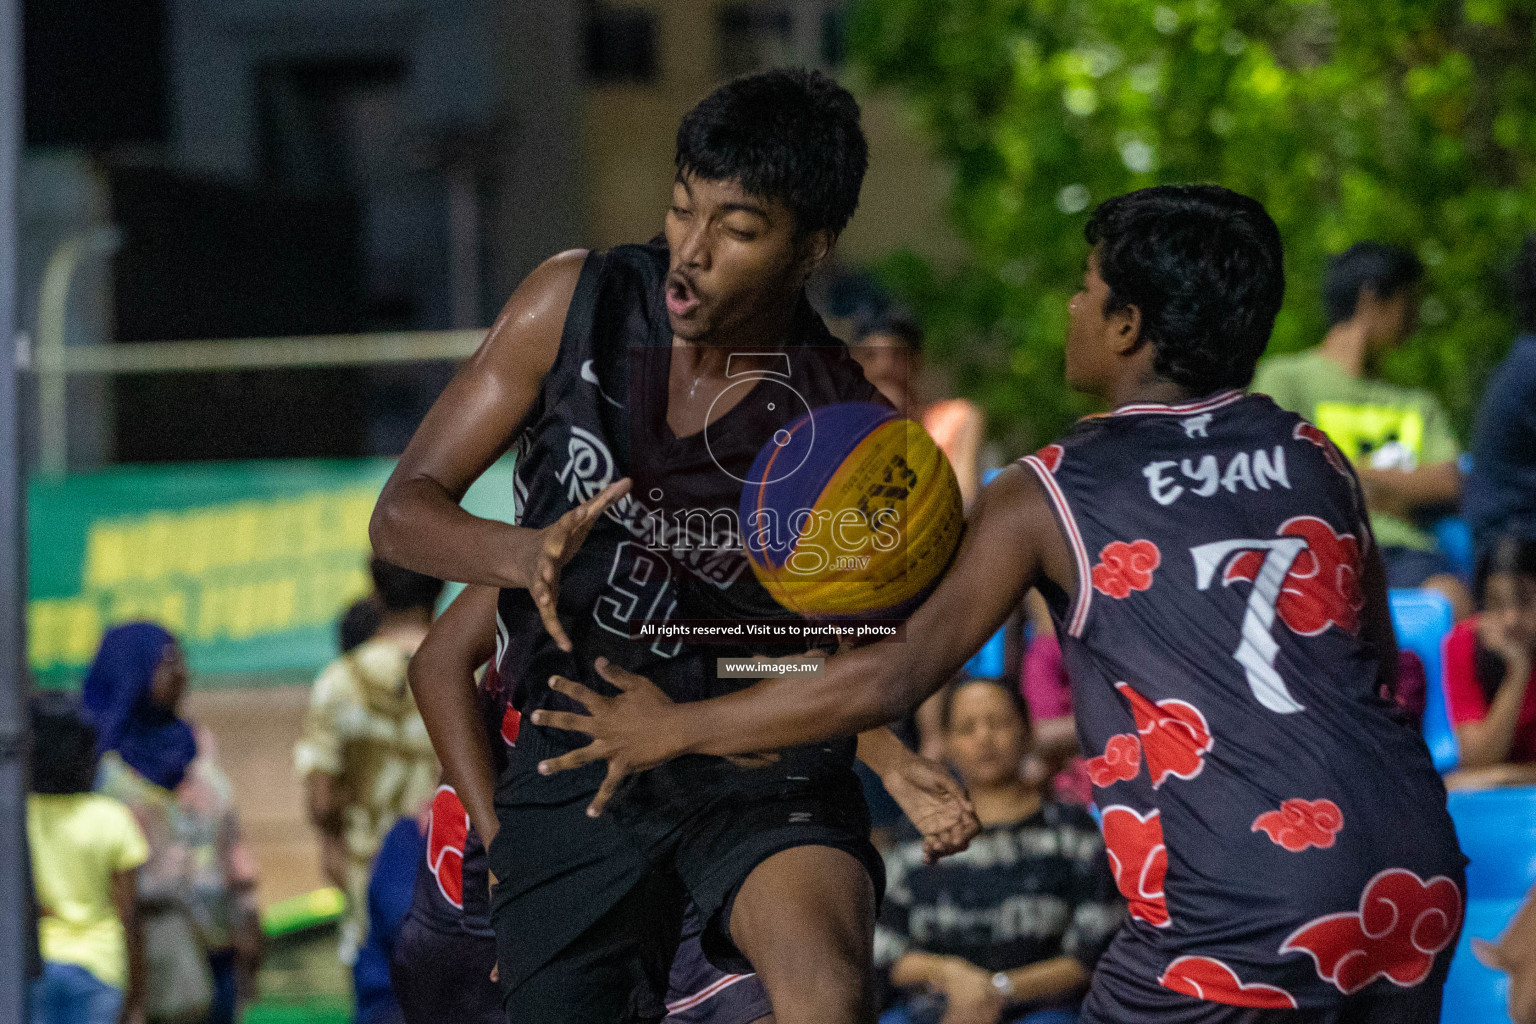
52, 313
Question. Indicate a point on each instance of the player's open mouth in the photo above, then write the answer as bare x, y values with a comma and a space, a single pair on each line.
682, 300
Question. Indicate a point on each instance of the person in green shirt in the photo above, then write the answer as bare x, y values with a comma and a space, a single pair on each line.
1399, 438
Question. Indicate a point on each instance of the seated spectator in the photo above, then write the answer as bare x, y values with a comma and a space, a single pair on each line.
200, 871
1399, 438
86, 849
1489, 663
1010, 929
1501, 487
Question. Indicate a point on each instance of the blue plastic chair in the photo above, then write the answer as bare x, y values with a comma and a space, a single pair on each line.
988, 662
1497, 829
1453, 536
1421, 619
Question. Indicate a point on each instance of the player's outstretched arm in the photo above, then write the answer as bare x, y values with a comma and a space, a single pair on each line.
418, 523
442, 678
1011, 539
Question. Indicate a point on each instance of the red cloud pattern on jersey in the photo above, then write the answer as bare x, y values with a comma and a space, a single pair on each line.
1126, 567
1139, 860
1322, 588
1307, 432
1051, 455
1403, 921
1121, 760
1208, 978
447, 831
511, 725
1300, 823
1174, 735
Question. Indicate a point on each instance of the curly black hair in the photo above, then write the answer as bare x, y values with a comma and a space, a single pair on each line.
63, 745
789, 134
1204, 265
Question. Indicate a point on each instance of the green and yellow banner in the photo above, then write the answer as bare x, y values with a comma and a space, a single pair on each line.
249, 563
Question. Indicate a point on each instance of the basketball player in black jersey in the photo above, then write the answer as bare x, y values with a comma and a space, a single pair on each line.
1278, 831
444, 954
628, 363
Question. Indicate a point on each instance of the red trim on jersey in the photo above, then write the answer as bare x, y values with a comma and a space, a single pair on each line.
1216, 401
713, 989
1079, 551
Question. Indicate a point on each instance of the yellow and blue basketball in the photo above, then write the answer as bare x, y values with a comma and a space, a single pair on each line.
851, 511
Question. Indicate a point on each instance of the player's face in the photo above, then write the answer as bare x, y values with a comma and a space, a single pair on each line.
734, 257
1090, 353
888, 365
1512, 597
1388, 321
986, 740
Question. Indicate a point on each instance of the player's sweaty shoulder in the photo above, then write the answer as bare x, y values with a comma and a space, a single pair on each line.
526, 336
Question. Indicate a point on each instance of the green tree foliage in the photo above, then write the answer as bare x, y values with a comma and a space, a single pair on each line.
1411, 121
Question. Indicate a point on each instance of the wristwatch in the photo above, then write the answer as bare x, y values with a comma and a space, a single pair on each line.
1003, 984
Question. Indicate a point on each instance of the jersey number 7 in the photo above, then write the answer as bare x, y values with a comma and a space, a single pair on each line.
1257, 649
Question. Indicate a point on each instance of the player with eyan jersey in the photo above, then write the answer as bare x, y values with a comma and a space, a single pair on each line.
1278, 831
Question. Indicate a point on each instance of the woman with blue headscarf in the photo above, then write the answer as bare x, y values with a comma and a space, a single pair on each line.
199, 871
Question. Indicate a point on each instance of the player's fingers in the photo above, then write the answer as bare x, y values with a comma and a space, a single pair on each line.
544, 600
587, 698
623, 678
575, 759
1488, 954
599, 502
948, 842
606, 791
566, 720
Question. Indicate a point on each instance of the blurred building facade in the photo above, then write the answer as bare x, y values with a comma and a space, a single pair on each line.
633, 108
283, 167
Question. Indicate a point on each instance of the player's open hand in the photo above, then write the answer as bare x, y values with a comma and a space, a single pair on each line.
936, 804
556, 545
629, 730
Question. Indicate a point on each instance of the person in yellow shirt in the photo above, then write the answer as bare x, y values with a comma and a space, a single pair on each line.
364, 754
86, 850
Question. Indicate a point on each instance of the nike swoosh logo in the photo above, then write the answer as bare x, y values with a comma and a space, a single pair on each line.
589, 375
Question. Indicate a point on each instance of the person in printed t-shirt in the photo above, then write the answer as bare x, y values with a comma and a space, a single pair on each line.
364, 754
1008, 930
1275, 825
1399, 439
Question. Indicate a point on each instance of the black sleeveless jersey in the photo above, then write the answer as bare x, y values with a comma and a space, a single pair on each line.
1279, 833
672, 548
